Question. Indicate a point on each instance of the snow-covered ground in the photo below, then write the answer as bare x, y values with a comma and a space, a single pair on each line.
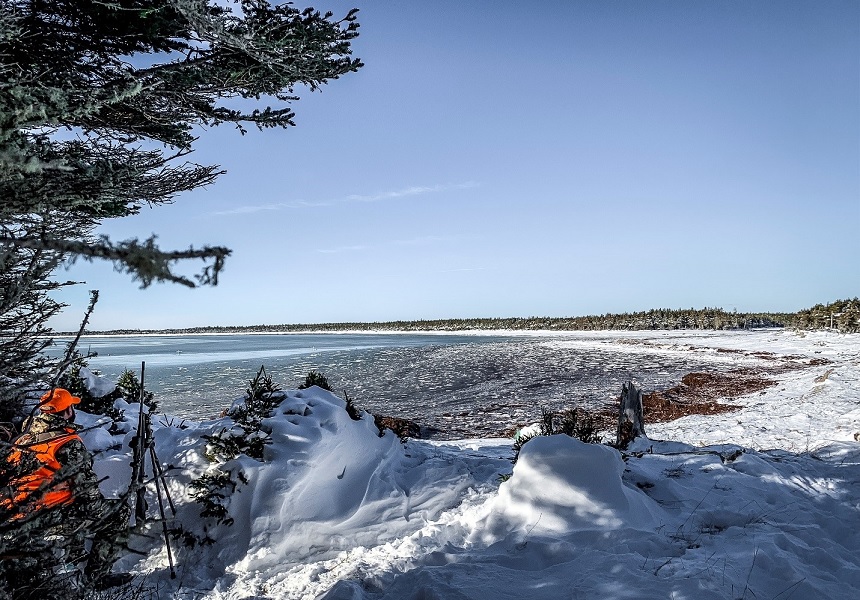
761, 503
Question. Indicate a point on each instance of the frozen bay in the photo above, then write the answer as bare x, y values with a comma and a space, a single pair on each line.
453, 385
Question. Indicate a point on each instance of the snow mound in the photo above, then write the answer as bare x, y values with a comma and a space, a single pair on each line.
330, 497
96, 385
323, 474
561, 485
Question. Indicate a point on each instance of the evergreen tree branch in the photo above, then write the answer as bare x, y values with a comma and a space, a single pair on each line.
145, 262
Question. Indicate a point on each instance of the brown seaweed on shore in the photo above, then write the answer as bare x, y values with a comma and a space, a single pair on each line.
699, 394
404, 428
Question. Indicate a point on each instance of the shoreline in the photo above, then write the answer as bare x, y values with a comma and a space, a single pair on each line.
661, 319
776, 354
464, 332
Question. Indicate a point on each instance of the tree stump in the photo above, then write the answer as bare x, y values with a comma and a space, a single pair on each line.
631, 424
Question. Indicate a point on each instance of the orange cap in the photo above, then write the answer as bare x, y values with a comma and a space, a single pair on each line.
59, 401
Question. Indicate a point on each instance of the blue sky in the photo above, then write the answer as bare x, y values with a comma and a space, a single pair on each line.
498, 159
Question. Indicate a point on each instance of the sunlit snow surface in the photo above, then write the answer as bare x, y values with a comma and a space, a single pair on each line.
760, 503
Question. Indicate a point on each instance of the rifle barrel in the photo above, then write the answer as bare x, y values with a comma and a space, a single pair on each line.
140, 454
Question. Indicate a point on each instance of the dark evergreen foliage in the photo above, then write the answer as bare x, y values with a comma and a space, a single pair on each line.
129, 386
25, 309
353, 411
211, 490
574, 422
578, 423
519, 442
247, 436
317, 379
841, 315
655, 319
72, 381
99, 101
122, 74
261, 396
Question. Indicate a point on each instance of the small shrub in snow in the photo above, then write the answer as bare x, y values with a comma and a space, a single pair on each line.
129, 385
546, 422
212, 490
190, 539
229, 443
262, 394
520, 441
574, 422
317, 379
352, 409
577, 423
247, 436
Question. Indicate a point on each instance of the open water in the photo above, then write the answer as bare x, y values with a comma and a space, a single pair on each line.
453, 386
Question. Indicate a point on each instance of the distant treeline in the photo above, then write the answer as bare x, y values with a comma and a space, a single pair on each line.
842, 315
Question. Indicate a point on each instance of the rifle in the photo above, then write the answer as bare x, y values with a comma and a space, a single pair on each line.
143, 443
138, 467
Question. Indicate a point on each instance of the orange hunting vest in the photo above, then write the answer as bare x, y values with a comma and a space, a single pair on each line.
45, 451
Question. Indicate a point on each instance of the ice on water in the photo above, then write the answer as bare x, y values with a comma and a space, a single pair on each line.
452, 385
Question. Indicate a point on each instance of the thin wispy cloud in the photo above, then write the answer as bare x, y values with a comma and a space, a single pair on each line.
340, 249
421, 241
367, 198
410, 191
424, 240
251, 209
245, 210
464, 270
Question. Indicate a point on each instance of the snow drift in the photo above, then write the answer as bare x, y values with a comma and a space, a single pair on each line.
559, 485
